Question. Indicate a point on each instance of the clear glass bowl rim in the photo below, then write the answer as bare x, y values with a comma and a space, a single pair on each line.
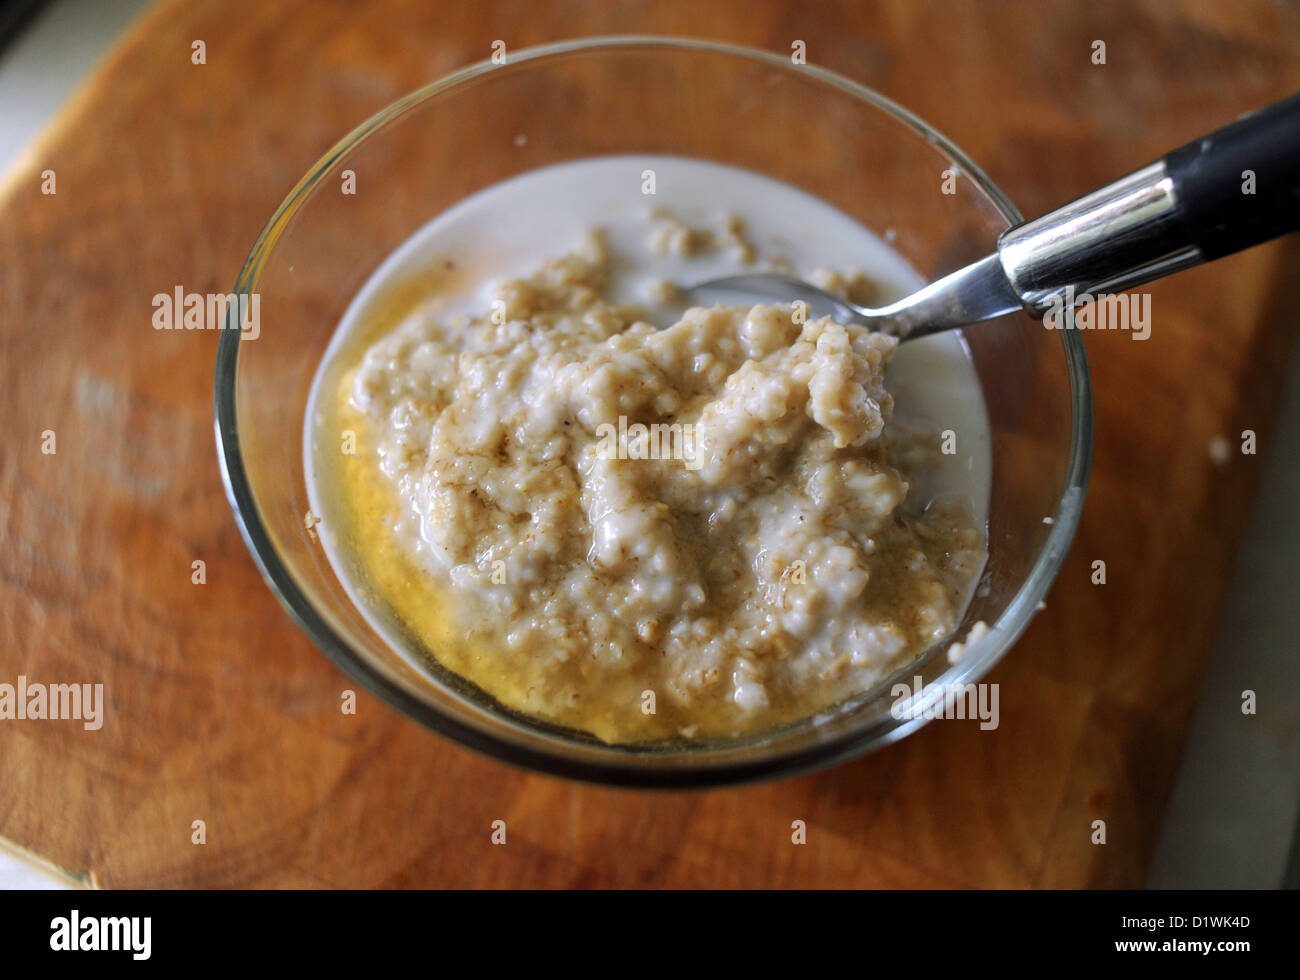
624, 770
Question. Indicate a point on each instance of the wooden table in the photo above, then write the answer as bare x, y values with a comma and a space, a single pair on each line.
221, 710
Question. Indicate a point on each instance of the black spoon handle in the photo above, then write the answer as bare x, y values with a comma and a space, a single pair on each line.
1234, 188
1240, 185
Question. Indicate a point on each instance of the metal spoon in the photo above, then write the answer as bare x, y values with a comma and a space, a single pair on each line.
1234, 188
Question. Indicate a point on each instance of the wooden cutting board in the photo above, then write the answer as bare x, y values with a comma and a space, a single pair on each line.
220, 710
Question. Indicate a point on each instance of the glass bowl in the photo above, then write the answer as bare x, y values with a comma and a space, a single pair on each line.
628, 95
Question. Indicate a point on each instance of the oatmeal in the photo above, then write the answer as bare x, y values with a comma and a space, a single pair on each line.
618, 514
671, 234
702, 518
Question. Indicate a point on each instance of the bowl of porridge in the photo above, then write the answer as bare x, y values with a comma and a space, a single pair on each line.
505, 474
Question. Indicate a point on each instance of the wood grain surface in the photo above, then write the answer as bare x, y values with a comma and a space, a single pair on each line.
219, 709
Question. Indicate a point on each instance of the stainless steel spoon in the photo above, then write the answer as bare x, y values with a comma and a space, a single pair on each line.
1234, 188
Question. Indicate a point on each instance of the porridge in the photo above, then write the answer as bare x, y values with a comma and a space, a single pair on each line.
700, 523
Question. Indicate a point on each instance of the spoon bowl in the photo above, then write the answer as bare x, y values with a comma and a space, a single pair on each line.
977, 292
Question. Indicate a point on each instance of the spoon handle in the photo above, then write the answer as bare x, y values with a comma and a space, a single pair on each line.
1241, 185
1234, 188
